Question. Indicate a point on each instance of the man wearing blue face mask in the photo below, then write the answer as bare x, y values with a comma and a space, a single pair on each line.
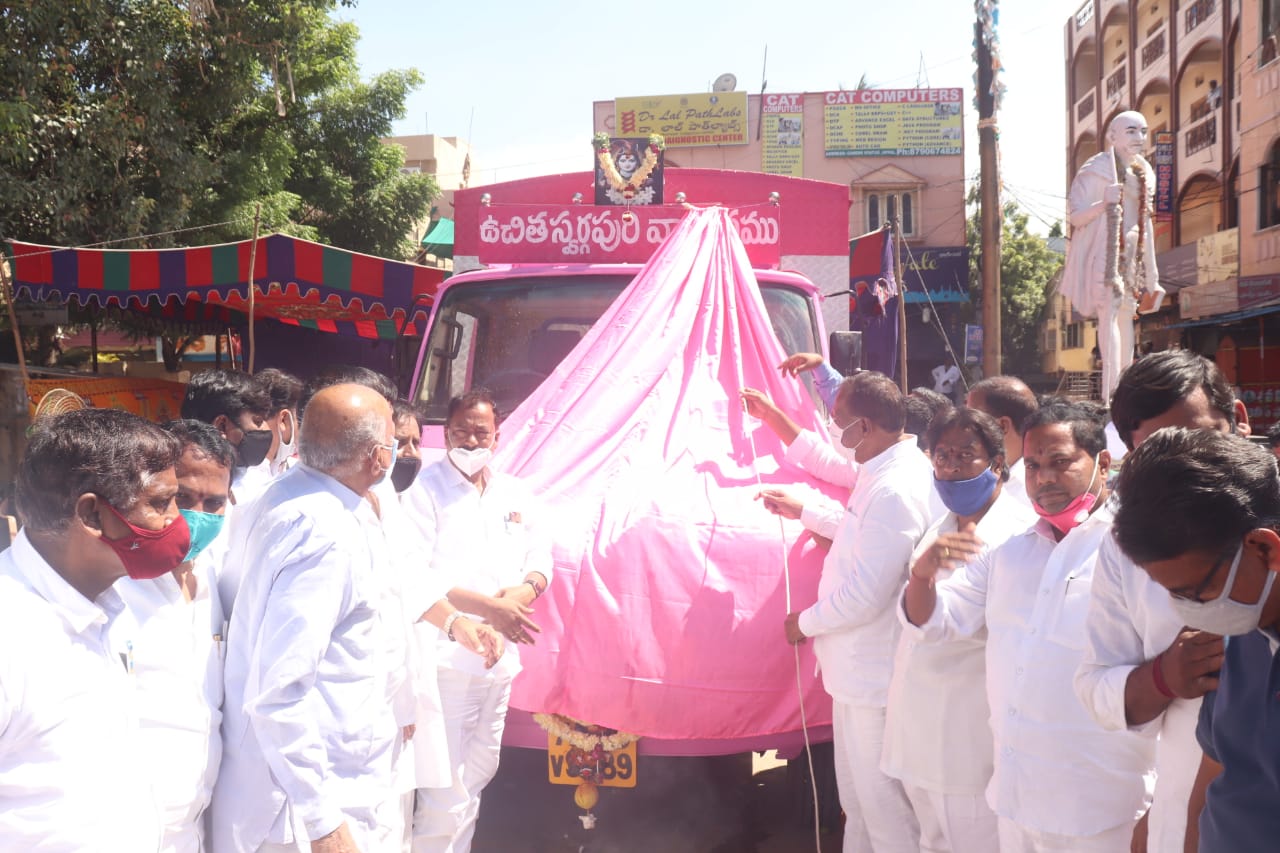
1199, 513
1060, 781
175, 626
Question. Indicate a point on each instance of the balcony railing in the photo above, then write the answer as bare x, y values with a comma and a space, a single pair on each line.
1084, 107
1116, 82
1199, 12
1203, 135
1153, 49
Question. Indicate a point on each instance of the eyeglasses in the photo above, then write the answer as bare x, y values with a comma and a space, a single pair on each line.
958, 459
1197, 594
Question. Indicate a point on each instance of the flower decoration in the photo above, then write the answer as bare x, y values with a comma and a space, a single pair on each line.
583, 736
622, 190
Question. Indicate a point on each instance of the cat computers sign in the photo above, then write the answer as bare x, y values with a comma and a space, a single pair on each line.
685, 121
893, 123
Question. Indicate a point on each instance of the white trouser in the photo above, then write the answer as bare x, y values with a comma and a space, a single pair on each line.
953, 823
475, 712
890, 824
1018, 839
272, 847
1115, 337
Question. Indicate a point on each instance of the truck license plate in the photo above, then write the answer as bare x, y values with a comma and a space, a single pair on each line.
618, 770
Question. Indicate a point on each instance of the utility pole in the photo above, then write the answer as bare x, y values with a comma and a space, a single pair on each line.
989, 196
902, 306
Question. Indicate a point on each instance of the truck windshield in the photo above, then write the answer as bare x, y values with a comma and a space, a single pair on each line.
509, 335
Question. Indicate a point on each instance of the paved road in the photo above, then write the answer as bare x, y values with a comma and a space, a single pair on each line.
680, 805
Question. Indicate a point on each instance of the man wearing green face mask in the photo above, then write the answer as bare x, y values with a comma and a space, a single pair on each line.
176, 626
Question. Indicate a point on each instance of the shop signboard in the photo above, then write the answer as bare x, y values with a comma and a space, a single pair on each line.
1218, 256
782, 137
1257, 290
1164, 175
685, 121
945, 272
972, 343
893, 123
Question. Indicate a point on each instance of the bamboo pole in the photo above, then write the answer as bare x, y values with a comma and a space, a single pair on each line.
902, 306
253, 257
7, 285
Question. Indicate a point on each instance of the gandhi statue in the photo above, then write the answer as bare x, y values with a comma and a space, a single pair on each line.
1111, 257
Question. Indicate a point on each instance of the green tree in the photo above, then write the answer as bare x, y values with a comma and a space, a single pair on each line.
1027, 269
121, 118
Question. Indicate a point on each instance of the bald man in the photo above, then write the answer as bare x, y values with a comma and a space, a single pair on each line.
308, 731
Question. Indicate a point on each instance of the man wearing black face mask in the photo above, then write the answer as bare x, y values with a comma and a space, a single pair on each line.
408, 445
96, 493
239, 407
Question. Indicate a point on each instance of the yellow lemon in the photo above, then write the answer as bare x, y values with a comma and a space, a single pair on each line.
586, 796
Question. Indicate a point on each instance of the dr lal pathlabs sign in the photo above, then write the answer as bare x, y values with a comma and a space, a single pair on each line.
708, 118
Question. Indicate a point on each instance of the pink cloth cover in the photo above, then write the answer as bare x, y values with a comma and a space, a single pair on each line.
665, 616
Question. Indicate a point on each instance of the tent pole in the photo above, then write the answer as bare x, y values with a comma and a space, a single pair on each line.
902, 306
93, 337
13, 324
253, 256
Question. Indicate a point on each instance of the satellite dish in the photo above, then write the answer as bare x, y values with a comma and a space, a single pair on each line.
725, 83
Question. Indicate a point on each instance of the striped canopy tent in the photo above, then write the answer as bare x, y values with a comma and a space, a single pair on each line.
297, 282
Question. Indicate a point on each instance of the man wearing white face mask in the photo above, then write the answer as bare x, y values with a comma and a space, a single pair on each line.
1199, 513
485, 541
285, 390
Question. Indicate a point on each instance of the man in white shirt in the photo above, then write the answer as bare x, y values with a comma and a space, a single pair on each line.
853, 621
485, 538
1010, 402
284, 390
1061, 782
1142, 668
175, 626
95, 491
307, 730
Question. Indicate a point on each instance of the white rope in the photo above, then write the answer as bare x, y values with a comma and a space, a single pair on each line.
786, 578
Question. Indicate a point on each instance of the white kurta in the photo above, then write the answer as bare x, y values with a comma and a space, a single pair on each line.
937, 732
308, 733
1056, 770
1130, 622
177, 647
69, 776
813, 454
480, 541
854, 622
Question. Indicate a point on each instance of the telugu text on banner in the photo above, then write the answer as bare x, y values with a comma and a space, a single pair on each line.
893, 123
548, 233
782, 148
685, 121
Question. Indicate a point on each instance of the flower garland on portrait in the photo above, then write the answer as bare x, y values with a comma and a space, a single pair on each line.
628, 191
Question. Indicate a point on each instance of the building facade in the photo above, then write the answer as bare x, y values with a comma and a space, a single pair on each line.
1205, 75
921, 183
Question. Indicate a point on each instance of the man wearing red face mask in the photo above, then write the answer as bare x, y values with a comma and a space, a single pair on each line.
1060, 781
96, 493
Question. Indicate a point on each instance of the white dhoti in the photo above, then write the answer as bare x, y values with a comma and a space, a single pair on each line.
475, 714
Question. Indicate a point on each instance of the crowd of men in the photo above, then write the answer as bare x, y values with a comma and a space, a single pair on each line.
1022, 659
266, 626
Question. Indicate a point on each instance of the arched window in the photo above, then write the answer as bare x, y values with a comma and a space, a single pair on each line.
891, 207
1269, 189
873, 212
908, 225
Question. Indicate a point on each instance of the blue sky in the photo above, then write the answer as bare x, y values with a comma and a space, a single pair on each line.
523, 76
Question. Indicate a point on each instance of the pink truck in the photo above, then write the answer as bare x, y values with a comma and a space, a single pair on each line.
536, 269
